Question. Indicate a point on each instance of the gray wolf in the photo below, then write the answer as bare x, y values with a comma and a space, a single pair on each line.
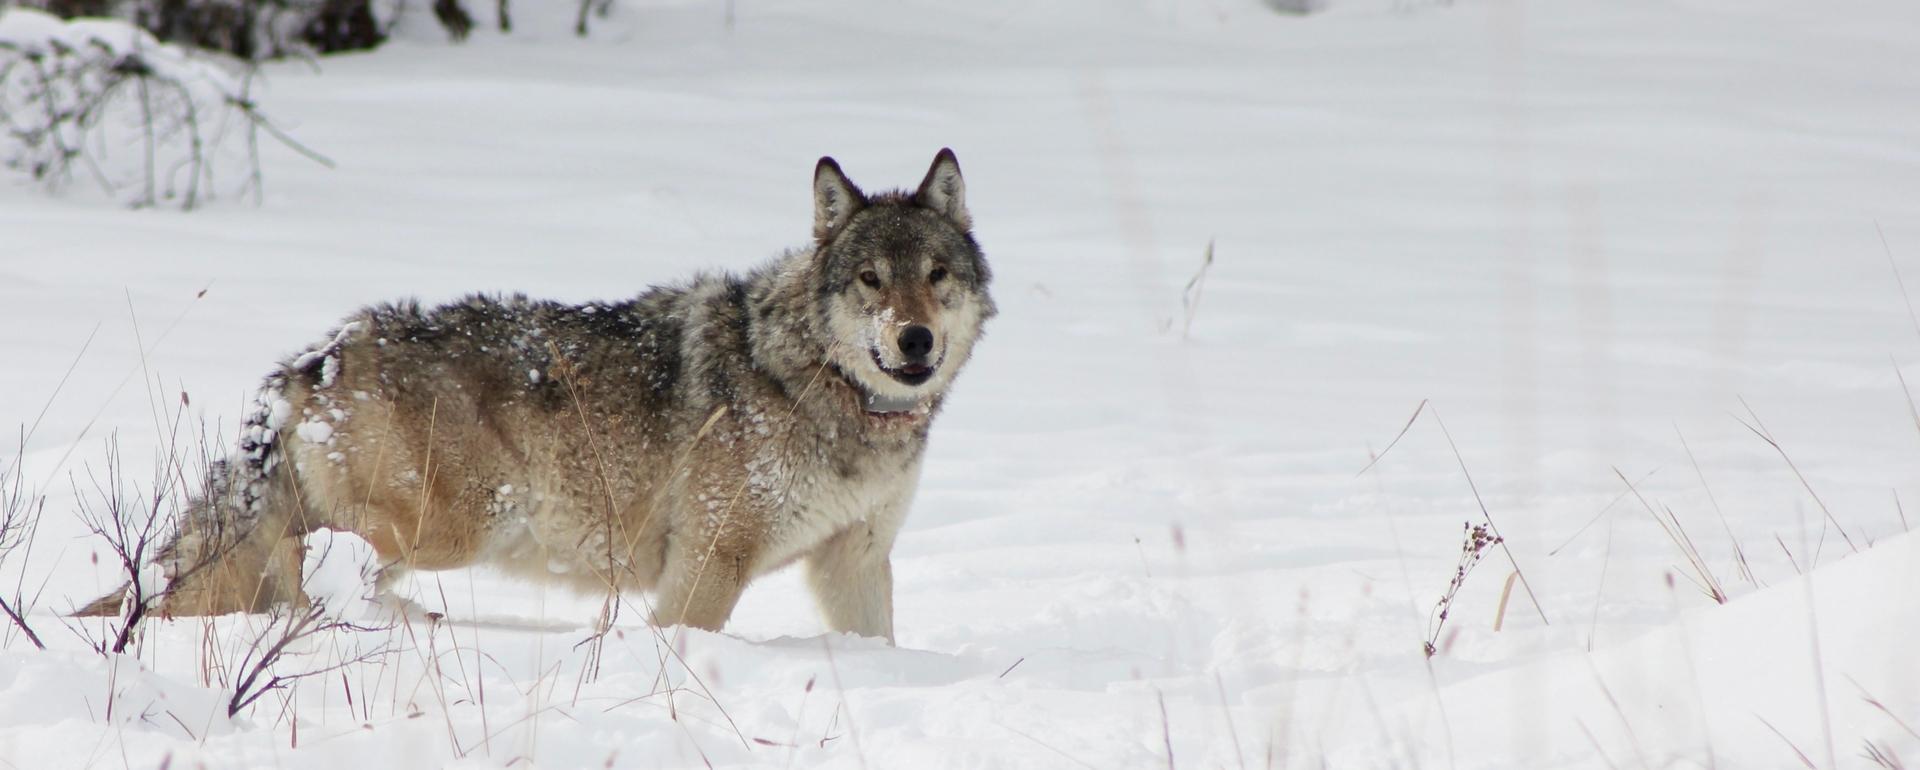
682, 442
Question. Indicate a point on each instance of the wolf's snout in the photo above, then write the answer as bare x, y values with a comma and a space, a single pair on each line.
916, 342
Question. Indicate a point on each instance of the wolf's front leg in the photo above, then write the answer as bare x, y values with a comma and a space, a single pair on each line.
852, 578
699, 587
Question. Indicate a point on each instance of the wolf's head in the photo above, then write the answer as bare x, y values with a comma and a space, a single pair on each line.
902, 285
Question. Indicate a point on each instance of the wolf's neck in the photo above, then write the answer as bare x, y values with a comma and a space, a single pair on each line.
783, 331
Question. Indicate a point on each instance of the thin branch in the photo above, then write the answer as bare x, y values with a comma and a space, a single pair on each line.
1396, 439
1190, 296
1897, 280
1524, 583
285, 138
1598, 516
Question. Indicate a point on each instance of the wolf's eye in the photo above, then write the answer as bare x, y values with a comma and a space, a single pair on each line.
937, 275
870, 278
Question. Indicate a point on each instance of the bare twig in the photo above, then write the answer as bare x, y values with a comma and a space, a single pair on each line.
1166, 727
35, 427
1375, 460
1618, 713
1739, 553
1595, 743
1882, 707
141, 528
1049, 747
1599, 590
253, 114
134, 528
1791, 562
1598, 516
1819, 669
1501, 539
1897, 280
1190, 296
834, 670
19, 519
284, 629
1227, 711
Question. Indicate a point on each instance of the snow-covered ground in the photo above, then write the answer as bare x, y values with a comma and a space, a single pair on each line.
1594, 237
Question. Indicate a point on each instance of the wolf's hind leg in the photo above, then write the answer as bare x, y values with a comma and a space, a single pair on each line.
851, 575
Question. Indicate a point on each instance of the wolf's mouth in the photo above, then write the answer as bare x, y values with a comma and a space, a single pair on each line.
886, 409
911, 374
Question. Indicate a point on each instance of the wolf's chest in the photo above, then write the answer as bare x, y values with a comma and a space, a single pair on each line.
822, 502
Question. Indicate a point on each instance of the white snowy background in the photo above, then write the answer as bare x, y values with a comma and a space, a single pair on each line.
1588, 235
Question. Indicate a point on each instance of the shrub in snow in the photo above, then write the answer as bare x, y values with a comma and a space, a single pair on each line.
256, 30
249, 29
1298, 6
150, 122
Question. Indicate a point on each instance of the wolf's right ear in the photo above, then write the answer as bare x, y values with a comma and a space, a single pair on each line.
835, 199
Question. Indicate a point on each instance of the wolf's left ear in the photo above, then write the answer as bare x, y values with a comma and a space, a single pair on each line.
835, 199
944, 191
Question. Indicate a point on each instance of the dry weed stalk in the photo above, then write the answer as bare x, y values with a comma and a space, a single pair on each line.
1760, 429
1473, 548
1166, 726
1882, 755
1485, 514
1190, 296
1797, 753
1702, 577
616, 535
566, 371
1882, 708
1739, 552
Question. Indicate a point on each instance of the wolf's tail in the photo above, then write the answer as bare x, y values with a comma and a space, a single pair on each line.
237, 547
105, 605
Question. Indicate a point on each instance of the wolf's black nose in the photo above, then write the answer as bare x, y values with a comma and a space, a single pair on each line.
916, 342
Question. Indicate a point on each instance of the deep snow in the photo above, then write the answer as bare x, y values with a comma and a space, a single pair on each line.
1580, 230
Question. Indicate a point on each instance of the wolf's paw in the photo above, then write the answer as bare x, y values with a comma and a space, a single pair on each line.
394, 607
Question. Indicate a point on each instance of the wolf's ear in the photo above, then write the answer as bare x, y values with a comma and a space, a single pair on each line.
944, 191
835, 199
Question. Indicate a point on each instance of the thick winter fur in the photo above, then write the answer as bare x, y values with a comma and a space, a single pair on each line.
684, 442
